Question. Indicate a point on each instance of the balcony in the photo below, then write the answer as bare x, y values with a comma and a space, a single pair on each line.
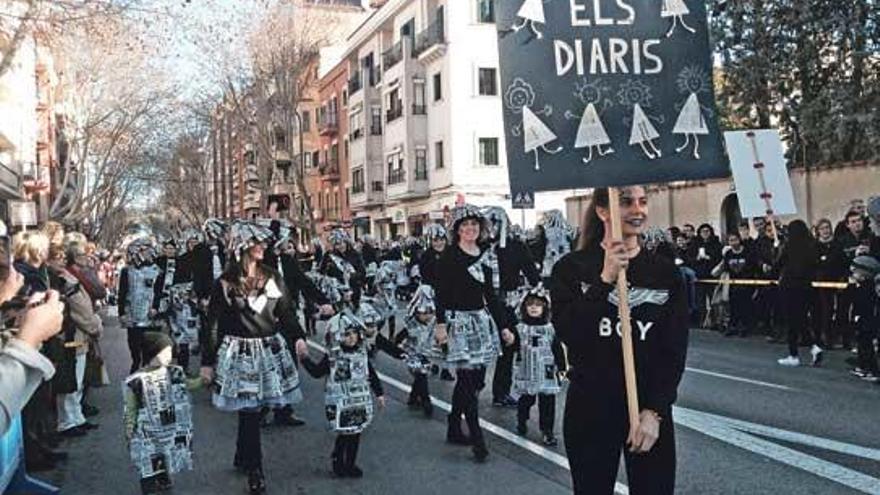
376, 129
329, 171
377, 186
355, 83
356, 134
328, 127
393, 114
430, 44
419, 109
392, 56
396, 176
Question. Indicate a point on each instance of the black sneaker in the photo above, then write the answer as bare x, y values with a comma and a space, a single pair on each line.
287, 420
354, 472
88, 426
338, 468
256, 481
480, 453
507, 401
549, 440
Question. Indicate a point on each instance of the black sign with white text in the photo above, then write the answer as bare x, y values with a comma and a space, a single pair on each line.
607, 93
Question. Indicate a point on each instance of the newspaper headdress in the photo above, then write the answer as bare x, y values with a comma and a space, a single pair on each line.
554, 219
422, 301
499, 222
215, 229
464, 212
435, 231
346, 322
281, 230
245, 235
537, 292
654, 236
141, 251
338, 236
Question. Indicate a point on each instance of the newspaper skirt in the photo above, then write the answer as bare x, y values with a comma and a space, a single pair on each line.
422, 352
255, 372
473, 339
184, 323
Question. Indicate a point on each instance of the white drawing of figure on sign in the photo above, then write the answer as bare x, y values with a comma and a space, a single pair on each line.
532, 11
691, 122
591, 132
676, 9
643, 132
537, 136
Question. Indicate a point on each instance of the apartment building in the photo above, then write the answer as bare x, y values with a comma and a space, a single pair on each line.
424, 87
18, 121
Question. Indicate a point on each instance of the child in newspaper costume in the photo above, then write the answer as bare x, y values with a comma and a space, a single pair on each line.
158, 416
350, 378
421, 352
537, 366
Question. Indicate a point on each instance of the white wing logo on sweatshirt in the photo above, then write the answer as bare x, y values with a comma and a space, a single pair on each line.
639, 296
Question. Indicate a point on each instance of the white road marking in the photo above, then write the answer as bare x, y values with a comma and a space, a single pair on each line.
554, 457
738, 379
741, 434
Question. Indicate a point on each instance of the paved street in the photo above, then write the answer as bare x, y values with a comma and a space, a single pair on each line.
744, 426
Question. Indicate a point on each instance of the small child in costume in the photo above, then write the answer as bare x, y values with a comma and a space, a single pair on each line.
158, 415
536, 370
350, 378
420, 351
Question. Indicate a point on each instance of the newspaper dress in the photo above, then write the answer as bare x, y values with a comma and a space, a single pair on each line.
534, 370
161, 440
255, 372
422, 352
184, 321
139, 302
347, 397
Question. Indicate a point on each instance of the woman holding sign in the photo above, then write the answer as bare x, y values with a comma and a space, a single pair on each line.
585, 315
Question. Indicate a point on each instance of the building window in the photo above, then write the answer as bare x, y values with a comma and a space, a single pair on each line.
316, 158
421, 164
396, 170
438, 87
487, 82
356, 125
486, 11
419, 97
376, 120
395, 105
306, 121
438, 155
344, 97
488, 151
357, 180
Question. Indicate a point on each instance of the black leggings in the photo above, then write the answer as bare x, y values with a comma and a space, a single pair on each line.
248, 448
546, 410
465, 400
183, 354
595, 430
796, 300
420, 386
346, 449
136, 347
503, 377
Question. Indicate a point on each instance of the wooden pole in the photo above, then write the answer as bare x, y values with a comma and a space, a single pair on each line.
766, 195
629, 362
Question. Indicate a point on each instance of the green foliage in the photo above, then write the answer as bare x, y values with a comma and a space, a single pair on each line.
808, 67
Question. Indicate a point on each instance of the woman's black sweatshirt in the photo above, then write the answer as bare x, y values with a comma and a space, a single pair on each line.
230, 314
585, 316
458, 290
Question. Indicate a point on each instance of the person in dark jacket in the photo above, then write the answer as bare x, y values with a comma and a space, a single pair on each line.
865, 270
830, 267
854, 240
586, 318
436, 235
739, 263
797, 260
251, 327
704, 252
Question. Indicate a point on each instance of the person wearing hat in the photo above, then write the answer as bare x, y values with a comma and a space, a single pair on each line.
419, 350
157, 415
343, 263
469, 316
513, 266
245, 345
864, 272
438, 238
137, 283
539, 364
350, 379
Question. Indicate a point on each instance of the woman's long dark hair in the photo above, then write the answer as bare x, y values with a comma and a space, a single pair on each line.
592, 227
799, 234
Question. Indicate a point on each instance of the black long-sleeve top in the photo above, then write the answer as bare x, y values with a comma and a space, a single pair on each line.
514, 259
428, 266
831, 264
298, 283
704, 267
229, 314
741, 265
586, 320
457, 290
797, 263
203, 269
322, 369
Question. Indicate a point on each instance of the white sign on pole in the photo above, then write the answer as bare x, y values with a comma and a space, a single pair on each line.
757, 160
23, 213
